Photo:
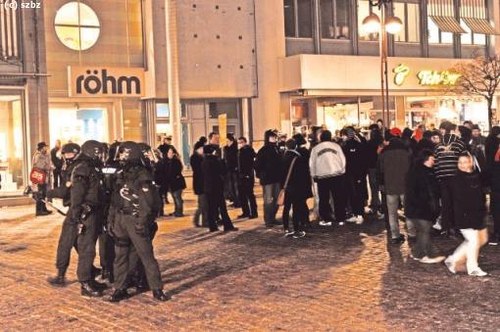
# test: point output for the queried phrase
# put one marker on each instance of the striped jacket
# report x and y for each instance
(447, 153)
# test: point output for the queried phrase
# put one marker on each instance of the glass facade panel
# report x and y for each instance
(289, 7)
(77, 26)
(436, 36)
(304, 14)
(412, 24)
(334, 19)
(12, 162)
(87, 16)
(78, 125)
(364, 11)
(89, 37)
(69, 36)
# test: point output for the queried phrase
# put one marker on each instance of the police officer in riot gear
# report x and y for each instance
(69, 231)
(87, 194)
(132, 210)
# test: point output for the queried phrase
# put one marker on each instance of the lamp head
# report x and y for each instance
(393, 25)
(371, 23)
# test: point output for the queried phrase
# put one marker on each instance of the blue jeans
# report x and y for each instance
(178, 202)
(271, 192)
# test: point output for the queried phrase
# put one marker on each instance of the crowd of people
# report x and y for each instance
(434, 180)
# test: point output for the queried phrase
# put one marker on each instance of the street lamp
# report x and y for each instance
(392, 25)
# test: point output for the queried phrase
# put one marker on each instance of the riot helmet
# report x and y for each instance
(94, 150)
(148, 153)
(70, 150)
(129, 151)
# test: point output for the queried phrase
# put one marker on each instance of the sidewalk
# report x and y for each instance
(341, 279)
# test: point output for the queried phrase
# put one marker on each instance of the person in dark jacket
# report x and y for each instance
(408, 140)
(297, 189)
(373, 148)
(202, 208)
(213, 187)
(246, 179)
(491, 145)
(306, 154)
(469, 209)
(393, 165)
(425, 143)
(175, 182)
(356, 170)
(494, 177)
(231, 180)
(422, 205)
(268, 167)
(57, 163)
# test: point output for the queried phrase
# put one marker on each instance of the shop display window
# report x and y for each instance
(78, 125)
(12, 161)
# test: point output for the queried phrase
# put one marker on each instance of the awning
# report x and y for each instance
(447, 24)
(480, 25)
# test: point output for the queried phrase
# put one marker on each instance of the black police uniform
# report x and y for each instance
(132, 210)
(87, 194)
(69, 231)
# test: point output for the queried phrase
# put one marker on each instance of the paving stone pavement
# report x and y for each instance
(341, 279)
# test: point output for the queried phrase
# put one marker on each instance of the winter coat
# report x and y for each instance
(327, 160)
(173, 175)
(57, 161)
(231, 157)
(469, 201)
(393, 165)
(299, 185)
(268, 164)
(356, 158)
(195, 161)
(422, 194)
(246, 162)
(42, 161)
(423, 144)
(372, 149)
(447, 153)
(159, 176)
(213, 175)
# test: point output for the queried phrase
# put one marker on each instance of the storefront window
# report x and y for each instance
(78, 125)
(230, 108)
(77, 26)
(470, 38)
(436, 36)
(334, 19)
(289, 7)
(12, 161)
(409, 13)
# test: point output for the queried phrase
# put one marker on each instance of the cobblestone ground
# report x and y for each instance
(346, 278)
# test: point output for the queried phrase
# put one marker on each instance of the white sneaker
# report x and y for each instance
(289, 233)
(298, 235)
(359, 220)
(437, 226)
(432, 260)
(450, 265)
(368, 210)
(325, 223)
(352, 219)
(478, 273)
(341, 223)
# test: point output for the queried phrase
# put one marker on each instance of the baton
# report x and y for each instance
(28, 191)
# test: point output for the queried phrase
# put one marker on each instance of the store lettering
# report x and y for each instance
(433, 77)
(93, 84)
(401, 72)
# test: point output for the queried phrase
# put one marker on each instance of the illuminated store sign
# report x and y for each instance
(426, 77)
(105, 81)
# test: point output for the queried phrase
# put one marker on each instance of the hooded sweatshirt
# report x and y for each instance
(327, 160)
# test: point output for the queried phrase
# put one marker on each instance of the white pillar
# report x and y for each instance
(245, 116)
(174, 102)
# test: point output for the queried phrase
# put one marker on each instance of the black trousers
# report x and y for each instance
(216, 207)
(247, 196)
(57, 177)
(447, 219)
(334, 186)
(86, 243)
(126, 237)
(495, 211)
(136, 268)
(67, 240)
(357, 192)
(300, 214)
(40, 195)
(201, 211)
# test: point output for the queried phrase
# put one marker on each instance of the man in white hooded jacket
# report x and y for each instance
(327, 164)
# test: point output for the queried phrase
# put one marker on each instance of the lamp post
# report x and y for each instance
(391, 24)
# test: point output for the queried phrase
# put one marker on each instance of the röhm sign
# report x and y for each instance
(92, 81)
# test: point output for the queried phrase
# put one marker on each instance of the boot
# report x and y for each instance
(58, 281)
(142, 285)
(88, 289)
(118, 295)
(98, 285)
(159, 295)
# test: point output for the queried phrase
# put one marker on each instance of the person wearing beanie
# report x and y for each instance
(355, 151)
(327, 165)
(447, 153)
(395, 132)
(297, 186)
(246, 179)
(268, 167)
(41, 162)
(200, 217)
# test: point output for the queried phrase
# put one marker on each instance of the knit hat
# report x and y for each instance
(198, 145)
(41, 145)
(395, 132)
(299, 138)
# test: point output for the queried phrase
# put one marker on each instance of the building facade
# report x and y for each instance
(23, 92)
